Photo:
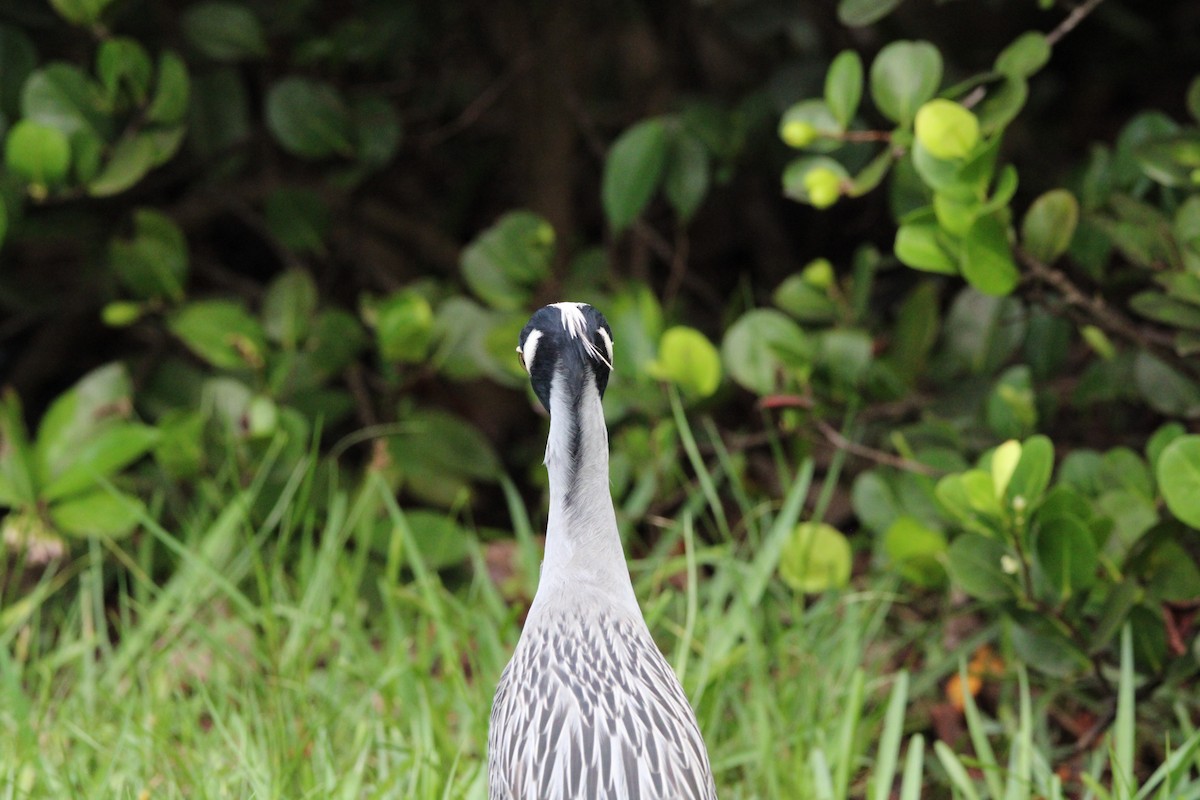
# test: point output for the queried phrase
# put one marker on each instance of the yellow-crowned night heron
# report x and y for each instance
(587, 707)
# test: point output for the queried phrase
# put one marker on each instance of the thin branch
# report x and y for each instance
(1071, 20)
(1068, 24)
(835, 438)
(477, 107)
(1104, 316)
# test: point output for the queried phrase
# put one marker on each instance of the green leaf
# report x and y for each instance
(1003, 463)
(1011, 407)
(1159, 440)
(181, 449)
(1002, 104)
(846, 353)
(946, 129)
(1171, 160)
(299, 219)
(1031, 476)
(689, 360)
(84, 13)
(1164, 388)
(289, 307)
(857, 13)
(687, 177)
(982, 331)
(632, 172)
(404, 327)
(37, 153)
(916, 550)
(99, 457)
(804, 301)
(309, 119)
(98, 400)
(508, 260)
(1041, 645)
(797, 178)
(224, 31)
(874, 501)
(918, 322)
(377, 130)
(1066, 554)
(100, 513)
(815, 558)
(763, 349)
(987, 261)
(134, 155)
(918, 245)
(438, 455)
(1028, 53)
(170, 103)
(1167, 310)
(221, 332)
(844, 87)
(810, 124)
(1132, 514)
(18, 464)
(971, 497)
(872, 174)
(904, 76)
(1049, 225)
(154, 262)
(336, 340)
(979, 566)
(62, 96)
(1178, 472)
(441, 541)
(122, 61)
(940, 174)
(18, 57)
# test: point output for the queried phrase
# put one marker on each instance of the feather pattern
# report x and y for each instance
(589, 708)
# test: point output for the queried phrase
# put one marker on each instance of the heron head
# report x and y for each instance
(571, 340)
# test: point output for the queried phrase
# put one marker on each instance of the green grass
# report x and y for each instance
(288, 660)
(291, 659)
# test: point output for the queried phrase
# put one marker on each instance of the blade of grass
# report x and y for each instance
(766, 560)
(955, 770)
(914, 768)
(888, 754)
(703, 474)
(1123, 727)
(851, 714)
(984, 755)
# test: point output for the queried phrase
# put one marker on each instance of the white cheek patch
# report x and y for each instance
(608, 346)
(530, 349)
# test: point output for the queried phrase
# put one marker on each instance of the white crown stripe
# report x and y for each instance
(575, 324)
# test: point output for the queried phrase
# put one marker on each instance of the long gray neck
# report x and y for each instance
(583, 547)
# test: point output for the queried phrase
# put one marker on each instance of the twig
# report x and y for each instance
(1068, 23)
(1104, 316)
(1071, 20)
(477, 107)
(679, 263)
(835, 438)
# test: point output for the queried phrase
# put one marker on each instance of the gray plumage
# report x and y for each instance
(588, 707)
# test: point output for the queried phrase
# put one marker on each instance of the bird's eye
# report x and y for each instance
(521, 358)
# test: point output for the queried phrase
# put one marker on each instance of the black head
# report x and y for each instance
(572, 339)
